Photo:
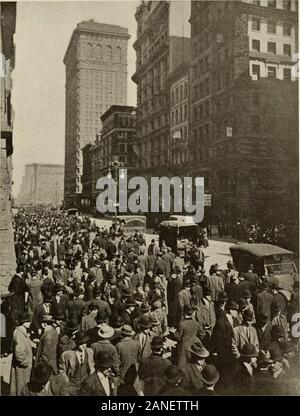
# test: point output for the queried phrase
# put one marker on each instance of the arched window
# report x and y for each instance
(99, 53)
(118, 54)
(109, 53)
(89, 51)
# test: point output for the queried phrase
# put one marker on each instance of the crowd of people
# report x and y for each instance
(95, 312)
(254, 233)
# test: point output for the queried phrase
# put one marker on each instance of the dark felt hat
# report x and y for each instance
(249, 351)
(210, 375)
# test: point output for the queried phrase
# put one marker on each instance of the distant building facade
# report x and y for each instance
(244, 108)
(42, 184)
(115, 144)
(162, 44)
(179, 120)
(7, 57)
(96, 78)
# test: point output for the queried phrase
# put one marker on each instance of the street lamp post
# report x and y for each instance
(113, 173)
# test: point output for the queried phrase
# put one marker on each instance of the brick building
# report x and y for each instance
(115, 144)
(7, 55)
(161, 46)
(96, 78)
(42, 184)
(244, 107)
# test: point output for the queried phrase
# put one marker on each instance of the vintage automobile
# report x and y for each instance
(72, 211)
(188, 219)
(276, 263)
(178, 235)
(131, 223)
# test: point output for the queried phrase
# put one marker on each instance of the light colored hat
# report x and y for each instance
(105, 331)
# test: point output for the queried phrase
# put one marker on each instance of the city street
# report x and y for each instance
(217, 252)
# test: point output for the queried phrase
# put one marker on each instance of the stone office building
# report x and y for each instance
(96, 78)
(161, 46)
(244, 108)
(116, 143)
(7, 57)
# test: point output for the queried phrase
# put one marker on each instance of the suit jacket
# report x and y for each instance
(98, 274)
(104, 345)
(221, 341)
(18, 288)
(68, 359)
(192, 379)
(127, 350)
(92, 386)
(61, 304)
(144, 348)
(206, 316)
(160, 267)
(74, 309)
(186, 335)
(264, 337)
(263, 302)
(184, 299)
(216, 285)
(38, 315)
(47, 349)
(240, 338)
(153, 366)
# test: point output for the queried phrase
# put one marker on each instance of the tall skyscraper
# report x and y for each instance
(96, 78)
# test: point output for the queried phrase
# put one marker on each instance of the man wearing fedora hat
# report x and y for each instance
(173, 377)
(22, 355)
(243, 378)
(46, 308)
(221, 340)
(206, 316)
(119, 305)
(193, 370)
(184, 296)
(244, 334)
(77, 364)
(127, 314)
(127, 349)
(264, 299)
(77, 305)
(186, 334)
(47, 347)
(143, 336)
(278, 318)
(154, 366)
(210, 377)
(105, 334)
(89, 321)
(101, 382)
(263, 329)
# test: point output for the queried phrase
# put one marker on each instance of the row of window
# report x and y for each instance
(180, 115)
(272, 47)
(272, 26)
(108, 53)
(272, 72)
(286, 4)
(179, 94)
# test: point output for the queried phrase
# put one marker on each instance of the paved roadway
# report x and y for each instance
(217, 252)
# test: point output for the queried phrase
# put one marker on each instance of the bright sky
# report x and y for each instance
(43, 31)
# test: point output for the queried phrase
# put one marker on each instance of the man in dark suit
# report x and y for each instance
(17, 288)
(192, 371)
(76, 306)
(153, 367)
(47, 347)
(127, 349)
(186, 335)
(222, 336)
(263, 329)
(101, 382)
(60, 300)
(46, 308)
(264, 300)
